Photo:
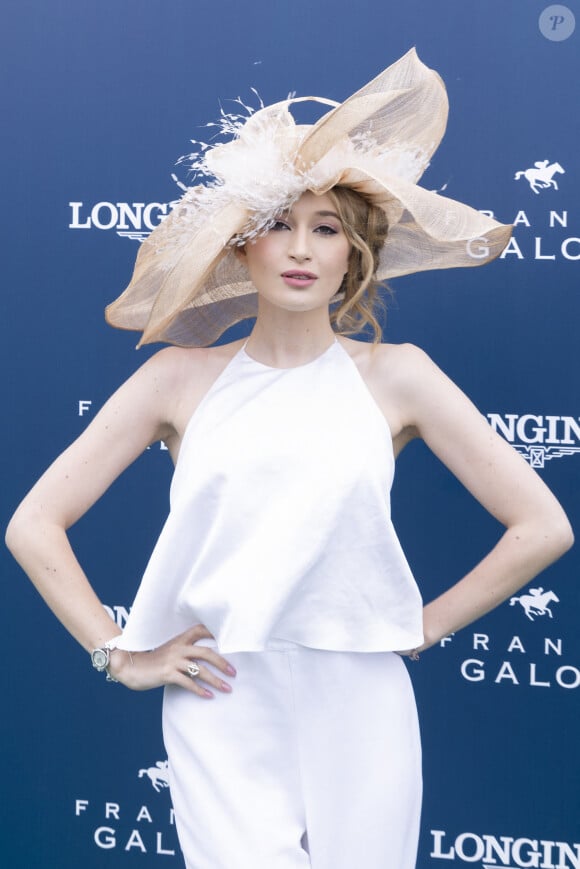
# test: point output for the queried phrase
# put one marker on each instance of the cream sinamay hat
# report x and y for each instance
(188, 286)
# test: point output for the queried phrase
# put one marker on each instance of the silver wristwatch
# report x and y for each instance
(101, 658)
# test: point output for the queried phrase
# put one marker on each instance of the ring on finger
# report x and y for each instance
(193, 669)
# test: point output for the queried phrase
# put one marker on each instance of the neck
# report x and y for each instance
(284, 339)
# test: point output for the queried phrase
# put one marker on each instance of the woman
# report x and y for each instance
(278, 589)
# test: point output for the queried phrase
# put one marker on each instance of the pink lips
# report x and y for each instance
(298, 278)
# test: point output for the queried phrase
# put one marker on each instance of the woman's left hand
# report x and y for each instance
(413, 654)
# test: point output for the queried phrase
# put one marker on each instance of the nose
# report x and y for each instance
(299, 246)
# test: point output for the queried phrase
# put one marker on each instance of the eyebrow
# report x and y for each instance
(316, 214)
(327, 214)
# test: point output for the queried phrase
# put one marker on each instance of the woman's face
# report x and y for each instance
(299, 264)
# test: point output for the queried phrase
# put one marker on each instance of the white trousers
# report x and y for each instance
(313, 760)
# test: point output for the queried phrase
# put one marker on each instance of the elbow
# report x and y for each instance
(14, 536)
(559, 535)
(567, 536)
(31, 531)
(22, 531)
(547, 537)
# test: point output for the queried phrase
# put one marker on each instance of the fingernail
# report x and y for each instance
(225, 687)
(207, 693)
(230, 670)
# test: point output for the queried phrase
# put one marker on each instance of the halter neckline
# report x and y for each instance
(247, 357)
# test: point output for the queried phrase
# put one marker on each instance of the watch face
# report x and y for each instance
(100, 658)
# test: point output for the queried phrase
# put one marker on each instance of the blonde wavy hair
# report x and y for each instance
(366, 228)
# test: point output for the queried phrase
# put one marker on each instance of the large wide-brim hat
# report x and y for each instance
(188, 285)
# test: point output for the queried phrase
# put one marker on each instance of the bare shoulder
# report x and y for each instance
(174, 362)
(182, 376)
(419, 400)
(392, 362)
(175, 368)
(155, 403)
(394, 374)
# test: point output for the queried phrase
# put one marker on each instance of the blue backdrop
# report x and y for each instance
(99, 100)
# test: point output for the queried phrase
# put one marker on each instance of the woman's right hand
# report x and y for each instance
(167, 665)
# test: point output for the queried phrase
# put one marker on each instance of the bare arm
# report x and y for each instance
(138, 414)
(537, 530)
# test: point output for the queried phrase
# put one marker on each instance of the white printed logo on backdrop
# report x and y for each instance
(538, 438)
(536, 603)
(547, 237)
(504, 852)
(158, 775)
(132, 220)
(541, 175)
(146, 826)
(534, 655)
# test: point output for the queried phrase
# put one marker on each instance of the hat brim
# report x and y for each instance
(188, 285)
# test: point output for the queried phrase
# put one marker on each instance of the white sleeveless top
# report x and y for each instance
(280, 523)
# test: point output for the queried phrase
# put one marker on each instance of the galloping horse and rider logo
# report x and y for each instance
(541, 175)
(158, 775)
(536, 603)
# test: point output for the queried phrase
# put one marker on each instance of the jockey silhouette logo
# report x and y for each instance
(536, 603)
(158, 775)
(541, 175)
